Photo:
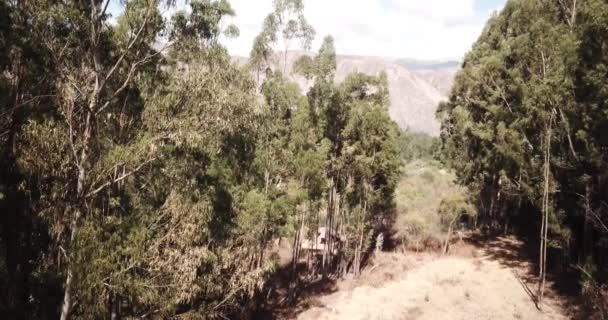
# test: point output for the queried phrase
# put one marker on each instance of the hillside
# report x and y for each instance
(416, 87)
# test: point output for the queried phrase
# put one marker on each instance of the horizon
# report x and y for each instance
(406, 60)
(401, 59)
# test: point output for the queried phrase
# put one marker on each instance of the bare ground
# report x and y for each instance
(488, 279)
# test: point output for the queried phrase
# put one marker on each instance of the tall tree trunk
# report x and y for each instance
(360, 244)
(67, 296)
(328, 226)
(497, 214)
(262, 248)
(332, 228)
(114, 306)
(587, 229)
(295, 257)
(80, 196)
(504, 216)
(447, 237)
(493, 194)
(316, 234)
(545, 216)
(294, 261)
(358, 252)
(337, 240)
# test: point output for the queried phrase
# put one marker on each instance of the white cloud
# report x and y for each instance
(427, 29)
(440, 9)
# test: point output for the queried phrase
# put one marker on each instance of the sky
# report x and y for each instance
(417, 29)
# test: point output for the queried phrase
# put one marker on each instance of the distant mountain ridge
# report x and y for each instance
(416, 87)
(412, 64)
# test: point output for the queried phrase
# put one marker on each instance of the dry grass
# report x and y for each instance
(383, 268)
(426, 286)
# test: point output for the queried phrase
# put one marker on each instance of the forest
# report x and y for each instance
(146, 174)
(147, 181)
(526, 130)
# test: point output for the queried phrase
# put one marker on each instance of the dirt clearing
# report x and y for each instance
(474, 283)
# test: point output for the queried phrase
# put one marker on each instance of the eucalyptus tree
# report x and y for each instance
(519, 125)
(287, 21)
(202, 25)
(95, 105)
(352, 120)
(369, 161)
(26, 78)
(100, 146)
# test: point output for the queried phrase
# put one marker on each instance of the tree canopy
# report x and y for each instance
(144, 174)
(525, 127)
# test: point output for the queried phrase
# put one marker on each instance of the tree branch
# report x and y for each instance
(103, 12)
(124, 54)
(568, 133)
(130, 76)
(502, 95)
(122, 177)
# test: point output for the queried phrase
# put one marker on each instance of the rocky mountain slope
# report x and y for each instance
(416, 87)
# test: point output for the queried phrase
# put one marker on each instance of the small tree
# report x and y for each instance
(452, 209)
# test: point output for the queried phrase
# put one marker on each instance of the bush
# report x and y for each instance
(426, 196)
(414, 145)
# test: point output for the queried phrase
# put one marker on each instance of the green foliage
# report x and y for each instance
(414, 145)
(322, 66)
(529, 98)
(202, 25)
(146, 183)
(455, 206)
(288, 20)
(425, 195)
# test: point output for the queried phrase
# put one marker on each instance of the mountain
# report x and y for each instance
(439, 74)
(416, 87)
(413, 64)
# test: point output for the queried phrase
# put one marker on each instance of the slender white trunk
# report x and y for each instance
(80, 197)
(545, 218)
(67, 296)
(447, 237)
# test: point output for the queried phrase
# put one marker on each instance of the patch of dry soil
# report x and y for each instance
(478, 286)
